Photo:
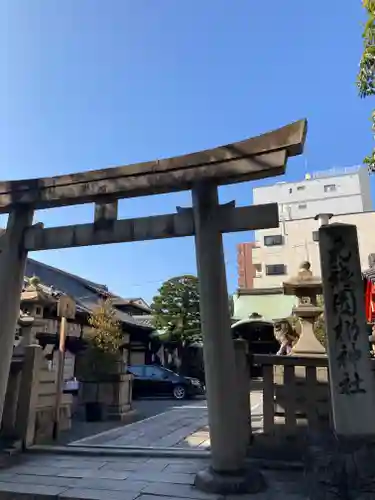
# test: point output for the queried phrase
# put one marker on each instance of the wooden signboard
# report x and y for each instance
(66, 307)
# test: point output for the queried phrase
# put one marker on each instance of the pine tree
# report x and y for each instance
(176, 309)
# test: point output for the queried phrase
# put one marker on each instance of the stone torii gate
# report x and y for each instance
(201, 172)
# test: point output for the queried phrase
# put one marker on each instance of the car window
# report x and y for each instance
(153, 371)
(137, 371)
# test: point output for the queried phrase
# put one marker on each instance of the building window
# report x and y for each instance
(290, 190)
(329, 188)
(315, 236)
(300, 188)
(273, 240)
(258, 270)
(302, 206)
(275, 269)
(38, 311)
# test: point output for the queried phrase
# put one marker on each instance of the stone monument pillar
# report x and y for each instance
(342, 464)
(352, 381)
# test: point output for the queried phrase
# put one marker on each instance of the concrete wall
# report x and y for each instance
(298, 245)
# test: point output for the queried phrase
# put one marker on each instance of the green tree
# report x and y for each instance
(366, 73)
(104, 342)
(175, 309)
(106, 333)
(231, 305)
(320, 325)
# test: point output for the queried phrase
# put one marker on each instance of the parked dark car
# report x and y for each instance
(152, 380)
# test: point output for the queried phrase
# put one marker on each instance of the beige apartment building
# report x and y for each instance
(277, 253)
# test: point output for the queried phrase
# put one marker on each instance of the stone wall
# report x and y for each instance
(29, 410)
(115, 396)
(45, 411)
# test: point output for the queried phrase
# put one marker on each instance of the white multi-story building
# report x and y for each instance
(343, 193)
(336, 191)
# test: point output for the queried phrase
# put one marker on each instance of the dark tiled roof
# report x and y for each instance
(120, 302)
(85, 292)
(145, 319)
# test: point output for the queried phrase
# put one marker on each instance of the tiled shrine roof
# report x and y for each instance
(55, 282)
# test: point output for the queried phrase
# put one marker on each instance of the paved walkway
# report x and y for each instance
(73, 477)
(180, 426)
(165, 430)
(144, 408)
(112, 474)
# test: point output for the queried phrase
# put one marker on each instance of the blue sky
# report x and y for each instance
(90, 84)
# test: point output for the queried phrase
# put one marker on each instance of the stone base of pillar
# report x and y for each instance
(341, 467)
(249, 480)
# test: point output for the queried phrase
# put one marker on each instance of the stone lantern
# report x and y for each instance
(306, 288)
(26, 323)
(33, 303)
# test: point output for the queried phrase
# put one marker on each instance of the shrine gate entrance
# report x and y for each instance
(202, 173)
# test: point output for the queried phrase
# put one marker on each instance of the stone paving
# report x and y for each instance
(181, 426)
(169, 429)
(124, 478)
(114, 475)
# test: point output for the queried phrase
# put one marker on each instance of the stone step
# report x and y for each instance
(118, 450)
(272, 463)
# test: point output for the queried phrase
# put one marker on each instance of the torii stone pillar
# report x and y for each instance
(12, 268)
(227, 473)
